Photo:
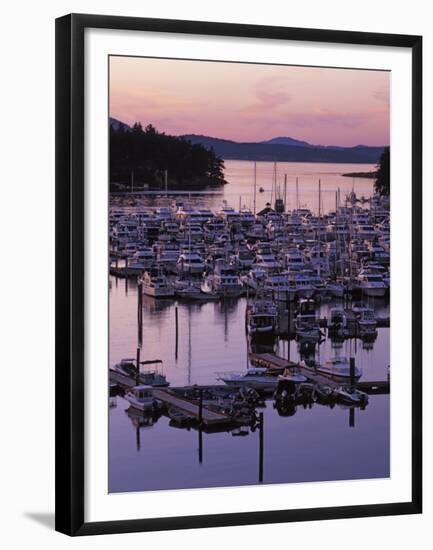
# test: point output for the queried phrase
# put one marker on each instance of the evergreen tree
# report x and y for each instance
(382, 183)
(149, 153)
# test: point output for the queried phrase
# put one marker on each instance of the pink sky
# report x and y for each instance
(246, 102)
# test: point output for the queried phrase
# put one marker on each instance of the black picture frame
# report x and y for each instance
(70, 282)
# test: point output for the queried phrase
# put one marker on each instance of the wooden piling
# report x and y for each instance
(261, 441)
(176, 322)
(352, 417)
(137, 437)
(137, 373)
(140, 312)
(352, 371)
(200, 445)
(200, 407)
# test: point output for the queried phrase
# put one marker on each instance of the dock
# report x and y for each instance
(272, 361)
(209, 417)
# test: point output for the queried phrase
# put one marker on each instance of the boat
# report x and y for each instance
(127, 370)
(155, 284)
(371, 284)
(267, 261)
(140, 260)
(306, 324)
(338, 322)
(190, 262)
(347, 395)
(304, 284)
(365, 317)
(224, 280)
(338, 368)
(257, 378)
(261, 318)
(141, 398)
(292, 375)
(294, 260)
(180, 418)
(254, 279)
(280, 286)
(191, 290)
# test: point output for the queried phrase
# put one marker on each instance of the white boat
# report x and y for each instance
(191, 291)
(294, 260)
(339, 368)
(141, 259)
(155, 283)
(228, 214)
(304, 285)
(350, 396)
(224, 280)
(257, 378)
(141, 398)
(262, 317)
(190, 262)
(254, 279)
(267, 261)
(243, 259)
(127, 370)
(371, 284)
(367, 320)
(306, 323)
(280, 286)
(291, 375)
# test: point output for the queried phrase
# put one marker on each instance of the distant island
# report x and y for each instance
(284, 149)
(146, 158)
(370, 175)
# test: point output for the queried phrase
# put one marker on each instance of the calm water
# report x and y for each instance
(315, 444)
(240, 189)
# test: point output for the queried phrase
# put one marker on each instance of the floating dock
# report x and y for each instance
(272, 362)
(209, 417)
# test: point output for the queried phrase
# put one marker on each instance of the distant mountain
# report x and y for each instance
(287, 141)
(118, 124)
(299, 143)
(287, 152)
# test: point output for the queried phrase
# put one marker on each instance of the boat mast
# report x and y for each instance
(297, 194)
(255, 186)
(320, 212)
(285, 192)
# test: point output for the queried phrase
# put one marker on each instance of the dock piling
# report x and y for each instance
(137, 373)
(261, 441)
(176, 322)
(200, 445)
(352, 417)
(352, 371)
(200, 407)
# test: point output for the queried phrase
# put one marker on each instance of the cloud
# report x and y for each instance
(268, 98)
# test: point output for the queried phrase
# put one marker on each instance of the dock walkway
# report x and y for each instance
(272, 362)
(209, 417)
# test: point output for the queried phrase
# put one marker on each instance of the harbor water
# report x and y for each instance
(313, 442)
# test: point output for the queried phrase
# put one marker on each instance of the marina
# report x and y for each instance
(271, 316)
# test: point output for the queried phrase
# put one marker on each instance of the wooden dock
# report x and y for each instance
(275, 362)
(208, 416)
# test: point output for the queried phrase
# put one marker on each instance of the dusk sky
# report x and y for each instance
(246, 102)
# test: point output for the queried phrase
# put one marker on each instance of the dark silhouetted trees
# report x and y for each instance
(144, 155)
(382, 183)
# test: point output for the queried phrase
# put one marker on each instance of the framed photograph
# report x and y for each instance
(238, 274)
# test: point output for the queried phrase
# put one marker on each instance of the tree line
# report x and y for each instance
(382, 183)
(142, 156)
